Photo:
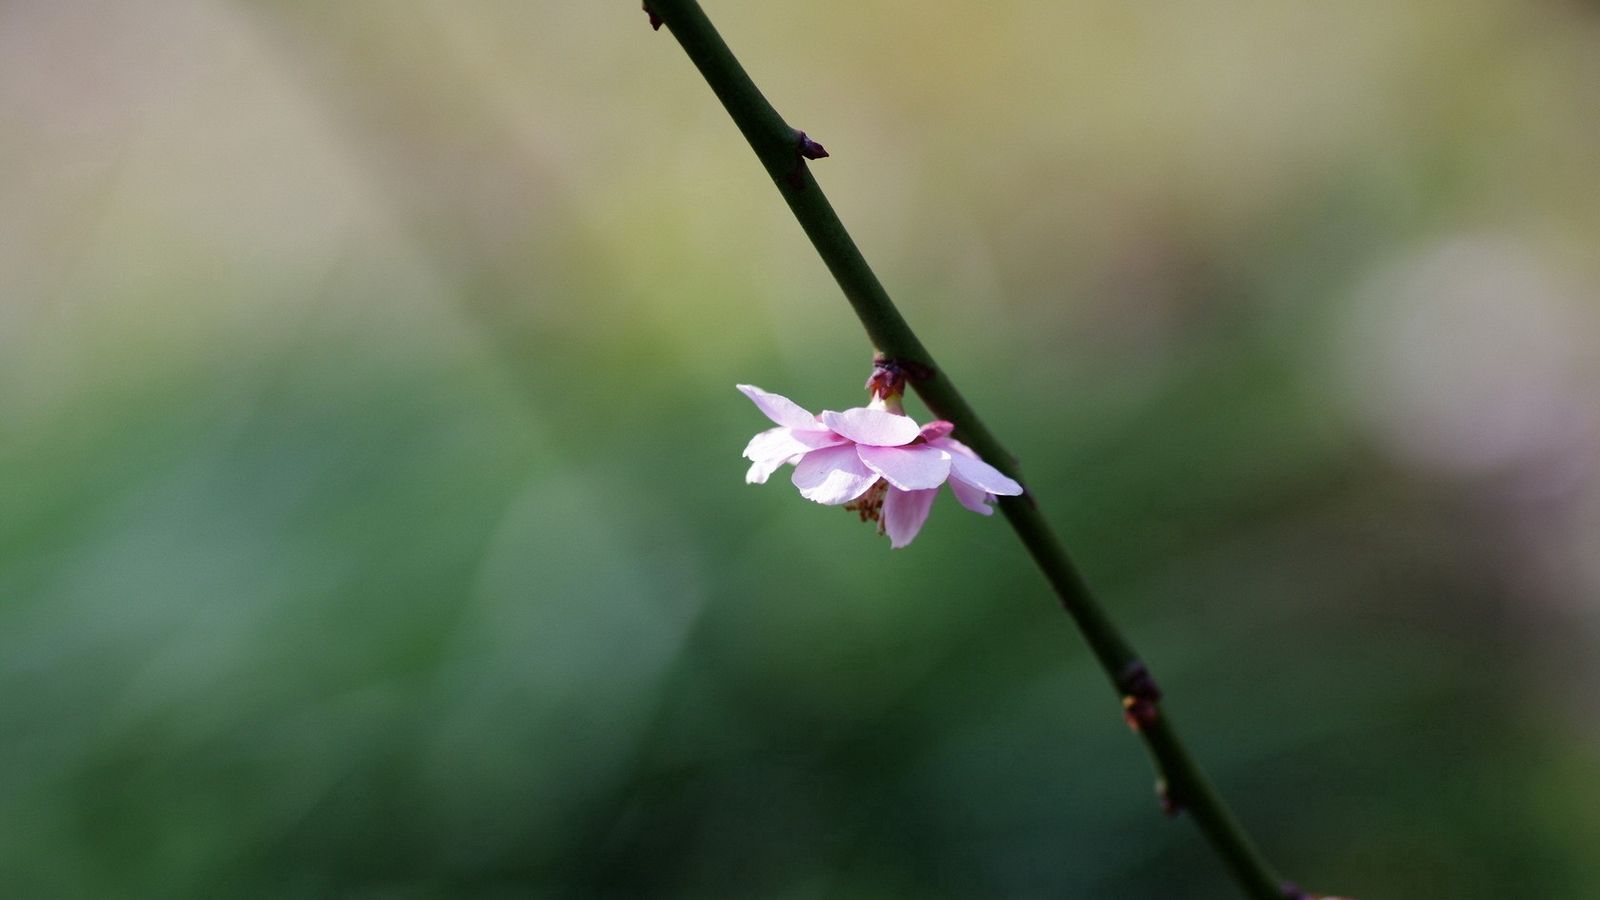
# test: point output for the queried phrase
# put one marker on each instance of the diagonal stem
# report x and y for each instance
(781, 150)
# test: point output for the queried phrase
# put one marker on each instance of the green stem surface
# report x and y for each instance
(777, 145)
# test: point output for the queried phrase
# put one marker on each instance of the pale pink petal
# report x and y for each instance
(936, 429)
(774, 443)
(833, 475)
(903, 514)
(780, 409)
(973, 498)
(781, 443)
(872, 426)
(915, 468)
(762, 468)
(951, 444)
(980, 474)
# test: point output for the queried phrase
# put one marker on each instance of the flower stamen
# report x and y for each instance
(870, 505)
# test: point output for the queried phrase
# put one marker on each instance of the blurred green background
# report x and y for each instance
(371, 512)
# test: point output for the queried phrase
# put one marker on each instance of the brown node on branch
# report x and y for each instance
(804, 148)
(1170, 804)
(1141, 696)
(903, 369)
(1136, 681)
(1139, 714)
(655, 20)
(810, 149)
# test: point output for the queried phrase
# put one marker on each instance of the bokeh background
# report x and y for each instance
(371, 513)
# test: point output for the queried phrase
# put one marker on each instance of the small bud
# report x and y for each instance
(1139, 713)
(1135, 680)
(1140, 696)
(810, 149)
(655, 20)
(1170, 807)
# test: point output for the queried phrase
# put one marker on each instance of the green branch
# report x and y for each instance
(783, 151)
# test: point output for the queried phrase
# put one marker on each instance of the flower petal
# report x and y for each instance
(953, 445)
(936, 429)
(903, 514)
(872, 426)
(966, 466)
(833, 475)
(781, 443)
(915, 468)
(780, 409)
(762, 468)
(973, 498)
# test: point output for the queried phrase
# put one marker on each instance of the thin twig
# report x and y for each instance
(783, 151)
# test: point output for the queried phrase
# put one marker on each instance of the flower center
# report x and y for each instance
(870, 505)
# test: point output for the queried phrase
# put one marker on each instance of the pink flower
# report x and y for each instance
(873, 461)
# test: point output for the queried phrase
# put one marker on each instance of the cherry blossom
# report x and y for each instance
(873, 461)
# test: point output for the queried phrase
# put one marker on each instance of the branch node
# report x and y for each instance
(1141, 696)
(1171, 805)
(808, 148)
(655, 20)
(1139, 714)
(1135, 680)
(890, 374)
(804, 148)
